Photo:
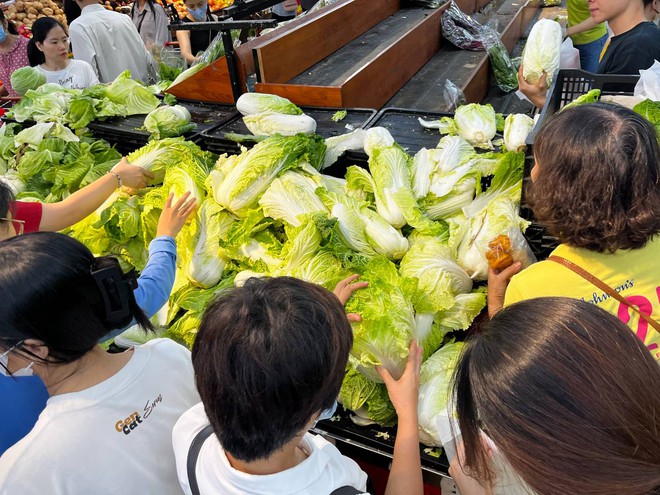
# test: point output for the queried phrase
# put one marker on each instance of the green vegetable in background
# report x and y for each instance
(339, 115)
(591, 97)
(651, 111)
(27, 78)
(168, 121)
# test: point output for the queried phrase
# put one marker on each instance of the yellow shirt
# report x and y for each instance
(635, 274)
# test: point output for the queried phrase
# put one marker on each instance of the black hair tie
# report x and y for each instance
(115, 289)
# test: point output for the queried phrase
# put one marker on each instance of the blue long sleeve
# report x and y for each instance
(156, 281)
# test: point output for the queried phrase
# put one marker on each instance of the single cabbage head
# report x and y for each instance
(26, 78)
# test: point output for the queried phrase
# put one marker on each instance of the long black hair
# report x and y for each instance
(52, 289)
(40, 30)
(568, 394)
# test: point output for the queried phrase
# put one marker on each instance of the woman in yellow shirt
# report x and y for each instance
(596, 187)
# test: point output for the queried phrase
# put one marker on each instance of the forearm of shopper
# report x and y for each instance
(406, 472)
(183, 37)
(585, 25)
(58, 216)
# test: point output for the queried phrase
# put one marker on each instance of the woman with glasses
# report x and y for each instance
(106, 428)
(26, 396)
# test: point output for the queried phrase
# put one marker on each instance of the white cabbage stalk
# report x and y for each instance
(435, 386)
(290, 196)
(337, 145)
(477, 124)
(516, 129)
(376, 138)
(423, 165)
(253, 103)
(451, 152)
(269, 123)
(542, 51)
(206, 265)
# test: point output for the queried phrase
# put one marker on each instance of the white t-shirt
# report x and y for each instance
(325, 470)
(112, 438)
(110, 43)
(78, 75)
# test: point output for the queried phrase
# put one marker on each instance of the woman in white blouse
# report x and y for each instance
(150, 20)
(48, 51)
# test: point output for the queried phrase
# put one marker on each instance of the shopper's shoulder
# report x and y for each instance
(167, 347)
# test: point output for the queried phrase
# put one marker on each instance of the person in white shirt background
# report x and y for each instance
(107, 426)
(110, 43)
(48, 51)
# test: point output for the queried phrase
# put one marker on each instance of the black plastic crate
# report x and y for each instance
(406, 130)
(378, 439)
(214, 139)
(572, 83)
(127, 135)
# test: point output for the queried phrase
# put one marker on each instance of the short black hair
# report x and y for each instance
(48, 293)
(267, 358)
(598, 186)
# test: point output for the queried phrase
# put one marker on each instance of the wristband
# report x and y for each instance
(118, 178)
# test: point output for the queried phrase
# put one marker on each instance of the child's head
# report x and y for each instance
(268, 358)
(597, 178)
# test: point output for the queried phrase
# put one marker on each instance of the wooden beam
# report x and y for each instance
(311, 96)
(287, 55)
(372, 85)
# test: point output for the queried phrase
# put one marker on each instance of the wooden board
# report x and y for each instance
(370, 69)
(210, 84)
(467, 6)
(297, 49)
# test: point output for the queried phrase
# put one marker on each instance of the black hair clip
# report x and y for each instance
(114, 290)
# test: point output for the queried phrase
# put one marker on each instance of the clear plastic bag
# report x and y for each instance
(453, 95)
(461, 30)
(506, 74)
(506, 249)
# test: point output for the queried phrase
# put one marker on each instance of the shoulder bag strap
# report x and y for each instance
(602, 286)
(193, 454)
(347, 490)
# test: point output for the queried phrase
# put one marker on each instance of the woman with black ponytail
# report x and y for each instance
(107, 426)
(151, 22)
(48, 51)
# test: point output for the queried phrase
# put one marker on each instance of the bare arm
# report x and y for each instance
(585, 25)
(183, 37)
(406, 472)
(58, 216)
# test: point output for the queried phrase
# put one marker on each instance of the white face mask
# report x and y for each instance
(4, 362)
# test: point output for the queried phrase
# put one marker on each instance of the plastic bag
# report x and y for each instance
(506, 75)
(461, 30)
(506, 249)
(453, 95)
(569, 56)
(648, 86)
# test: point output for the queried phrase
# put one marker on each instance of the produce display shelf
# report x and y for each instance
(127, 135)
(215, 140)
(567, 86)
(406, 130)
(377, 440)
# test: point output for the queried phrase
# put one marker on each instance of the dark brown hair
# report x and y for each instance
(599, 182)
(569, 396)
(268, 356)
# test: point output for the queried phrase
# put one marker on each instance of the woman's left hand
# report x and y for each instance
(497, 284)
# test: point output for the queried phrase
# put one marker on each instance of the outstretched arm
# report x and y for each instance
(82, 203)
(406, 472)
